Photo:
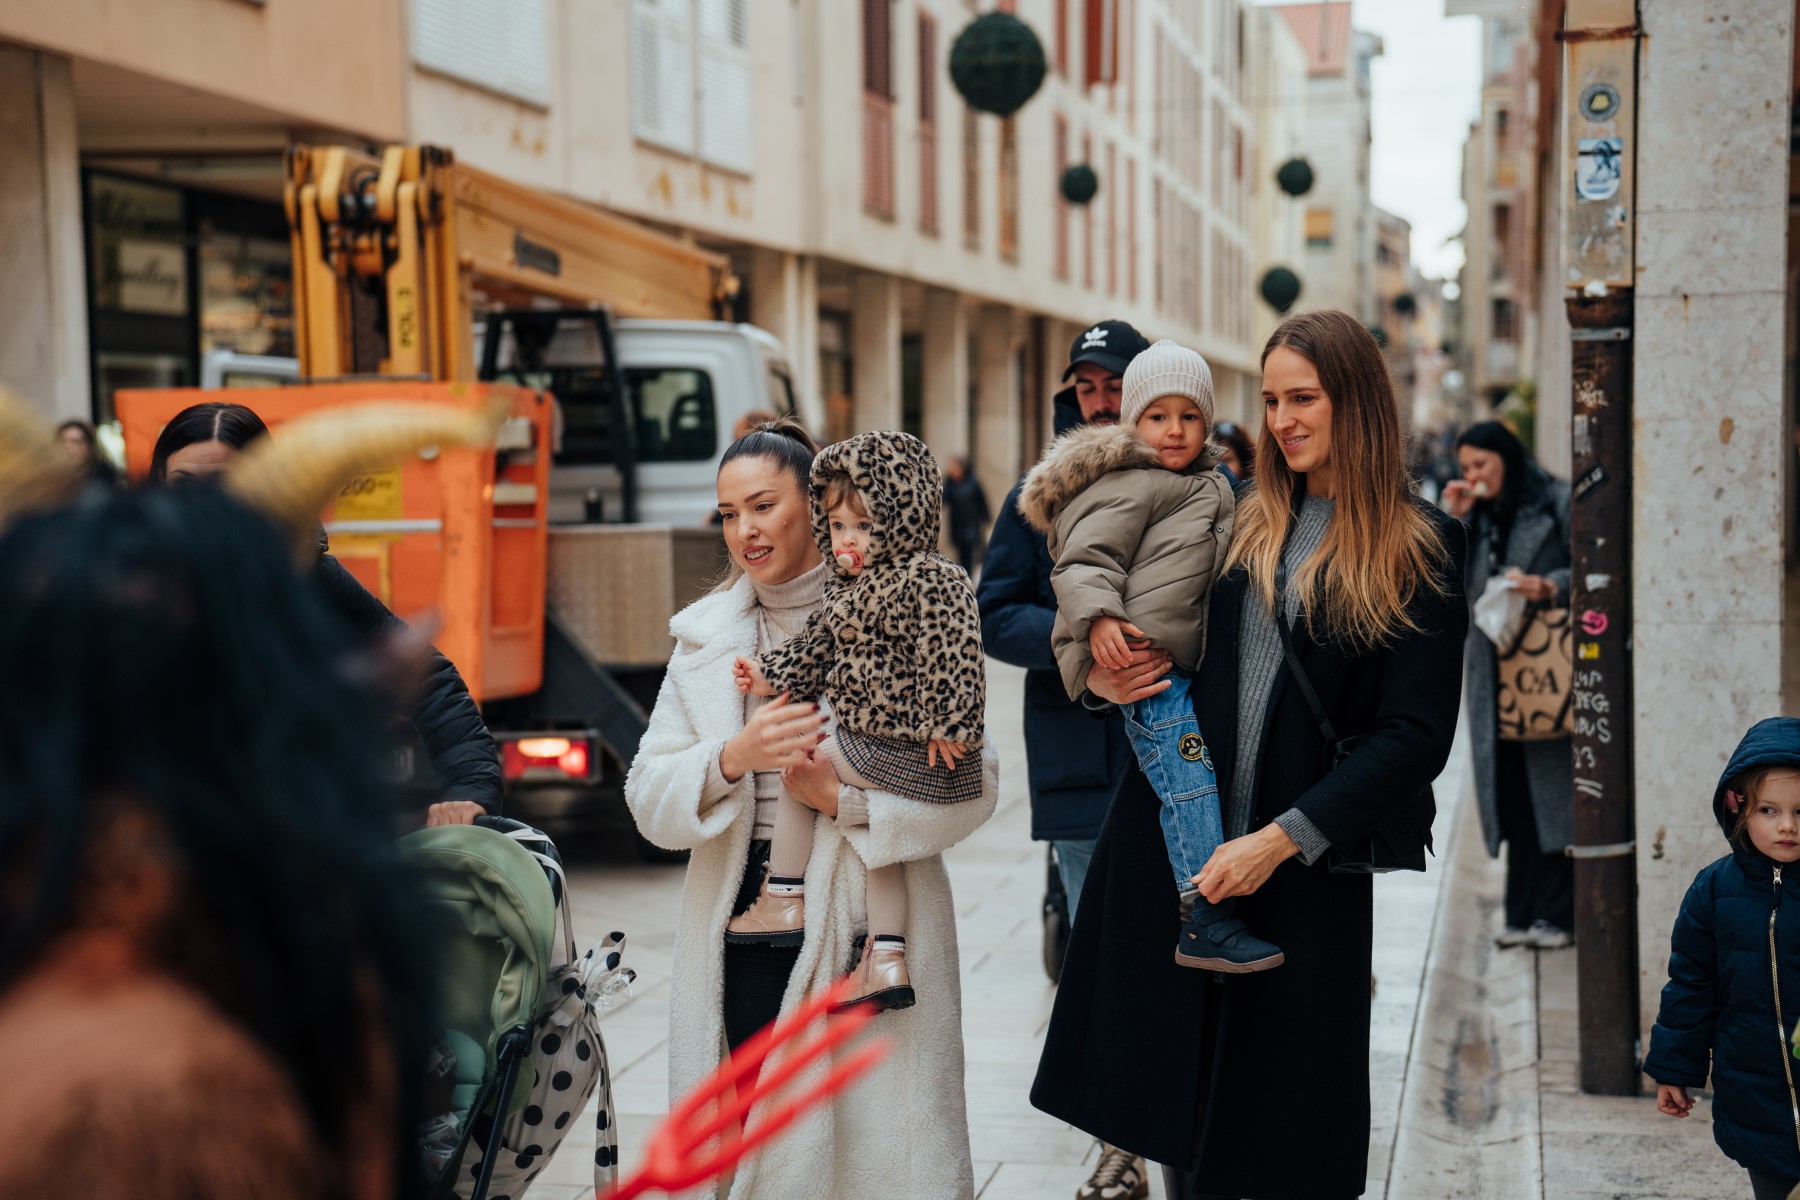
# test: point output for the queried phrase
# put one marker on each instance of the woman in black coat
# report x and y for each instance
(1257, 1085)
(1518, 519)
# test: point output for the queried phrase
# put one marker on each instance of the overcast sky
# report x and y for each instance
(1427, 90)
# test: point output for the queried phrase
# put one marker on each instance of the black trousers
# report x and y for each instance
(1539, 886)
(756, 975)
(1769, 1187)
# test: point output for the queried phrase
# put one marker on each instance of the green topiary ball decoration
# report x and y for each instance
(1080, 184)
(1295, 177)
(1380, 336)
(1280, 287)
(997, 63)
(1405, 304)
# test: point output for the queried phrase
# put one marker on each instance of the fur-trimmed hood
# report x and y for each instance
(1079, 458)
(899, 481)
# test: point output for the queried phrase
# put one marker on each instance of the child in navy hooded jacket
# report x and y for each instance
(1733, 996)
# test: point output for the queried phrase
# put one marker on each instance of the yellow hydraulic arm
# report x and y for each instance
(395, 257)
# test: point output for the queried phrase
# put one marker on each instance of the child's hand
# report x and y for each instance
(1673, 1100)
(1106, 641)
(950, 752)
(750, 678)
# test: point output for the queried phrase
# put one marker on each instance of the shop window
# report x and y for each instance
(501, 47)
(1505, 320)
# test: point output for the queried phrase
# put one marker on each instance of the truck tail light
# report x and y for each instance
(545, 757)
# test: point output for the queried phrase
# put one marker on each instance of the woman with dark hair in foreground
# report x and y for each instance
(202, 442)
(205, 986)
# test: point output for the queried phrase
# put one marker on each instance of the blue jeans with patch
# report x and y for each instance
(1165, 735)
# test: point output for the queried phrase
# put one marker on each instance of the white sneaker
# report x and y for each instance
(1119, 1175)
(1544, 936)
(1512, 935)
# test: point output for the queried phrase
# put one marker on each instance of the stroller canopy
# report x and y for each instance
(494, 927)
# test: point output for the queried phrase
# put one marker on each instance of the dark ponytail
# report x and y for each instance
(232, 424)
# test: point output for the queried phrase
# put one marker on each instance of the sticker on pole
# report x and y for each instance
(372, 496)
(1598, 162)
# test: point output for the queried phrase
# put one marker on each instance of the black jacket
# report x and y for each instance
(1072, 761)
(1262, 1078)
(966, 506)
(443, 713)
(1721, 1013)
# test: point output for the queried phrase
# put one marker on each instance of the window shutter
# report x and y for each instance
(1100, 42)
(878, 109)
(726, 138)
(498, 44)
(662, 74)
(878, 49)
(1009, 188)
(971, 179)
(1061, 262)
(928, 152)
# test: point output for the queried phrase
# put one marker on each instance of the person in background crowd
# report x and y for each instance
(1218, 1081)
(967, 507)
(78, 439)
(1727, 955)
(1237, 451)
(1072, 761)
(1518, 518)
(201, 442)
(709, 777)
(206, 986)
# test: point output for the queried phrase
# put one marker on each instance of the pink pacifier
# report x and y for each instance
(850, 559)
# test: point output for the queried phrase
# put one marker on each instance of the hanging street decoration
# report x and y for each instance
(1280, 287)
(1405, 304)
(1295, 177)
(1080, 184)
(997, 63)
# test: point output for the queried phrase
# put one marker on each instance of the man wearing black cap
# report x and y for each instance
(1072, 760)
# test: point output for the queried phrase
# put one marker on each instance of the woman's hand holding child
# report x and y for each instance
(779, 734)
(1107, 642)
(750, 678)
(1672, 1100)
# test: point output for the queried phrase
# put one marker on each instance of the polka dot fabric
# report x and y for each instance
(568, 1058)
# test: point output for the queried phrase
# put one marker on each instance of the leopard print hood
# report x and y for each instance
(899, 481)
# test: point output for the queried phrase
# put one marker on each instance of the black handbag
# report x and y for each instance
(1399, 845)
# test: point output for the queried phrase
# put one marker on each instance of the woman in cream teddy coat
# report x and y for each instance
(903, 1129)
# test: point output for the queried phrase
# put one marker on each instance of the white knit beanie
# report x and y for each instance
(1166, 369)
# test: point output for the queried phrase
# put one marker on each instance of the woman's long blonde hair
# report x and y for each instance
(1381, 548)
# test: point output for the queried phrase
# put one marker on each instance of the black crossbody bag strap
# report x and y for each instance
(1293, 662)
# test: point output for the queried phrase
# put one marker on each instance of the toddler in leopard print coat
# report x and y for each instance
(895, 649)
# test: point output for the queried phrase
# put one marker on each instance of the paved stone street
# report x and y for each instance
(1473, 1091)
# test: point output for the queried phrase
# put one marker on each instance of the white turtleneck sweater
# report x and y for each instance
(781, 612)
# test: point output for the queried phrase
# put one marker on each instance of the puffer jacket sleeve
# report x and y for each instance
(666, 788)
(1097, 533)
(1681, 1041)
(799, 665)
(949, 665)
(899, 829)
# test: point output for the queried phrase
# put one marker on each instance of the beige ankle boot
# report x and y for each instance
(881, 978)
(774, 919)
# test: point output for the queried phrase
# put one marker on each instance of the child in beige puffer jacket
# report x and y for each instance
(1138, 522)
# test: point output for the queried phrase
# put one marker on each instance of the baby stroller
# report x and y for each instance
(521, 1052)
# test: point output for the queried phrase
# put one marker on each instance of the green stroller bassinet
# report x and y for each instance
(523, 1033)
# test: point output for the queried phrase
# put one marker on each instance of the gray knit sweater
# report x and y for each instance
(1260, 662)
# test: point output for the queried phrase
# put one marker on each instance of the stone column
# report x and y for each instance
(875, 351)
(945, 350)
(997, 431)
(1054, 360)
(43, 305)
(784, 301)
(1712, 451)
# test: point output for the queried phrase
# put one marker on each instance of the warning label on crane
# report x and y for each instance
(372, 496)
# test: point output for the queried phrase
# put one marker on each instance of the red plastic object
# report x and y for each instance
(678, 1157)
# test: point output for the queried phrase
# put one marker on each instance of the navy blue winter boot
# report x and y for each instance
(1213, 939)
